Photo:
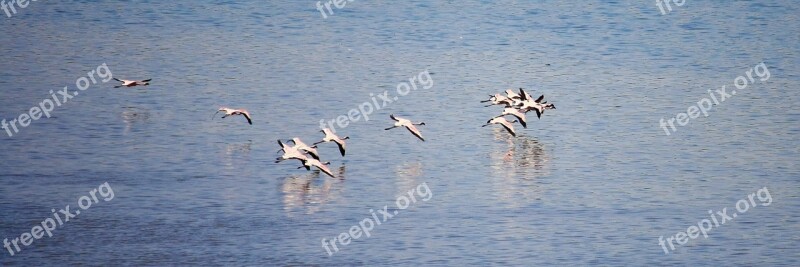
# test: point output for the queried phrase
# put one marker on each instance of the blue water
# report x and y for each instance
(594, 182)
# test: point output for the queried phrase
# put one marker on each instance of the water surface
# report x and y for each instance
(594, 182)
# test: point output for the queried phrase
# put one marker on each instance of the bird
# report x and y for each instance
(299, 145)
(308, 163)
(231, 112)
(511, 94)
(290, 152)
(130, 83)
(332, 137)
(516, 113)
(498, 99)
(529, 105)
(408, 124)
(524, 95)
(502, 121)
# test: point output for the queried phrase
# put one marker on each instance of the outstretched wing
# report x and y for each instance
(509, 128)
(413, 129)
(247, 116)
(341, 146)
(325, 169)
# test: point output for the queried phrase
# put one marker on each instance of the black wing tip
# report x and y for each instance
(510, 131)
(341, 149)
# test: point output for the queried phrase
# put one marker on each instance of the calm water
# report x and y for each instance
(594, 182)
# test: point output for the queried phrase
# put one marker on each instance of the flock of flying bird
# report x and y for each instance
(515, 104)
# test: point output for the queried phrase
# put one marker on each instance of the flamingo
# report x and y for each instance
(299, 145)
(290, 152)
(502, 121)
(408, 124)
(232, 112)
(308, 163)
(498, 99)
(130, 83)
(332, 137)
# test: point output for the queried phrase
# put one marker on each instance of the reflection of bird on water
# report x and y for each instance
(532, 154)
(516, 165)
(132, 116)
(407, 174)
(341, 172)
(309, 193)
(237, 153)
(523, 151)
(242, 148)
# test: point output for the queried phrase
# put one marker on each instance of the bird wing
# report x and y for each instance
(312, 152)
(392, 116)
(516, 113)
(520, 118)
(413, 129)
(341, 145)
(118, 80)
(511, 94)
(522, 94)
(324, 169)
(283, 147)
(247, 116)
(327, 133)
(148, 80)
(539, 99)
(509, 128)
